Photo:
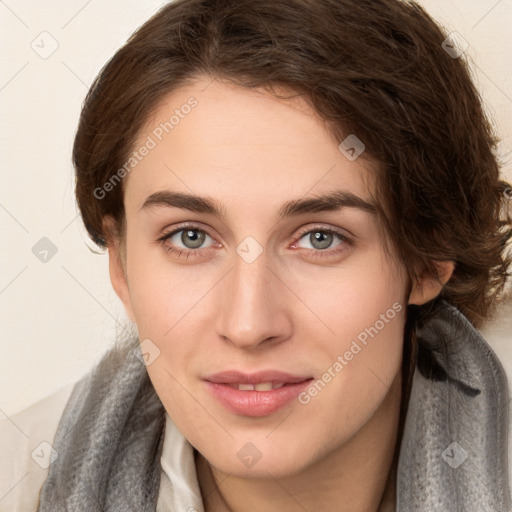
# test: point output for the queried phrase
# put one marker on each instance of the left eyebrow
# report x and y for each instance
(328, 202)
(333, 201)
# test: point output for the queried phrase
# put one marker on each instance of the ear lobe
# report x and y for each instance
(429, 286)
(116, 266)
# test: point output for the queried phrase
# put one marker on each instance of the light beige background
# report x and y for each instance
(59, 317)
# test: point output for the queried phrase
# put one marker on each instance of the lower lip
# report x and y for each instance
(255, 403)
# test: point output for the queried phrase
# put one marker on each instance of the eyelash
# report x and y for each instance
(317, 253)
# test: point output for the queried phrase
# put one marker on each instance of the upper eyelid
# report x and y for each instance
(336, 231)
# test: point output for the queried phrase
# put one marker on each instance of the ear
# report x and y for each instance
(117, 265)
(429, 286)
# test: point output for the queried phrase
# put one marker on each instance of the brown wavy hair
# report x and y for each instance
(374, 68)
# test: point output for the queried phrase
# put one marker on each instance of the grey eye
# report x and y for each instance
(321, 239)
(192, 238)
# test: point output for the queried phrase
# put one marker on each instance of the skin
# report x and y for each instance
(286, 310)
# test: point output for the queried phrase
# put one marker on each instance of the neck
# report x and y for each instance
(359, 476)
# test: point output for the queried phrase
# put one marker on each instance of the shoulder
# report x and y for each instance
(26, 451)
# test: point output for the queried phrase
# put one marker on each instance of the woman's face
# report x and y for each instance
(252, 269)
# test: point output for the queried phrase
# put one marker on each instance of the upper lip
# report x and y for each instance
(273, 376)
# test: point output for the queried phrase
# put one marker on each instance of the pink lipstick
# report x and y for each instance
(256, 394)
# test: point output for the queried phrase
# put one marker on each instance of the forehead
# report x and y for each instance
(224, 137)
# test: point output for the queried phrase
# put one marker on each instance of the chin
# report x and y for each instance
(254, 459)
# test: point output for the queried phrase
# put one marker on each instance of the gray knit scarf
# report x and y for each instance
(453, 454)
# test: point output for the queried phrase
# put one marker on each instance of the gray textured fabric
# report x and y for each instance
(454, 450)
(110, 436)
(109, 441)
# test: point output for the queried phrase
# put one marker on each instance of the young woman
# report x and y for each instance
(305, 221)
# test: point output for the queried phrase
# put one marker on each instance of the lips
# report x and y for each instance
(257, 394)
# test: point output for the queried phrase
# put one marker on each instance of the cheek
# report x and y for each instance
(367, 293)
(170, 306)
(363, 313)
(159, 295)
(361, 367)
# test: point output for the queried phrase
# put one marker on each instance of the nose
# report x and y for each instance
(253, 305)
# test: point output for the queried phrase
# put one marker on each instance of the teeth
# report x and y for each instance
(264, 386)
